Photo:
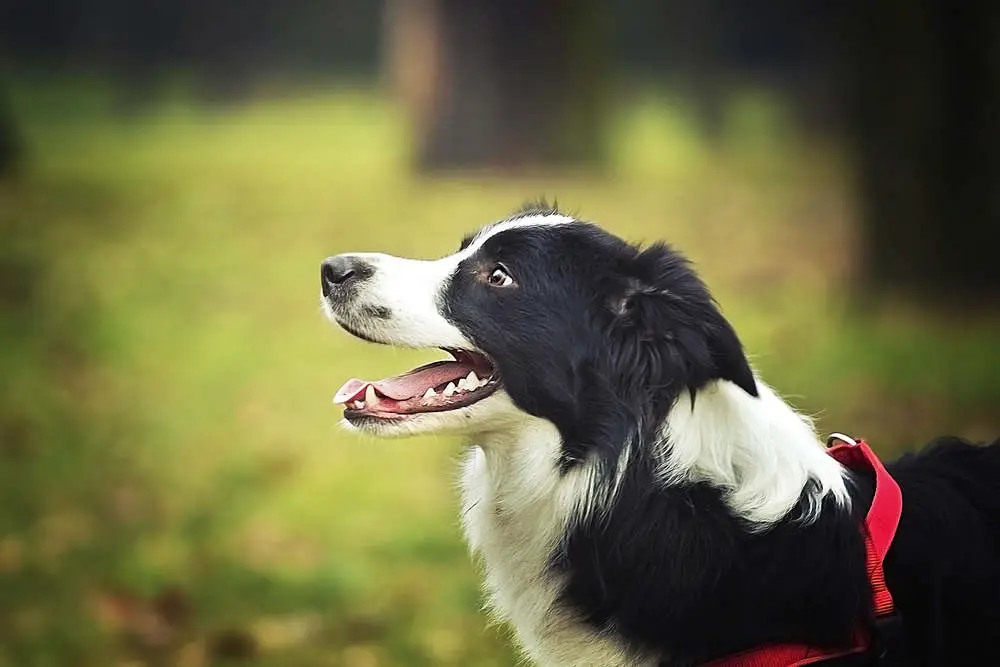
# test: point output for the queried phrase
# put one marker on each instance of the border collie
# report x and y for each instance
(636, 494)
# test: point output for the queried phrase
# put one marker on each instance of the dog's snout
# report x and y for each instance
(342, 270)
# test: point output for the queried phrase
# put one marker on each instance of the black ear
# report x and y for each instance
(666, 303)
(728, 357)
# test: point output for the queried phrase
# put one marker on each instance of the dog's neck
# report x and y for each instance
(514, 473)
(758, 450)
(516, 509)
(518, 505)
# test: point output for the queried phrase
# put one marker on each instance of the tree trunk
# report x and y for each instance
(504, 85)
(10, 139)
(925, 115)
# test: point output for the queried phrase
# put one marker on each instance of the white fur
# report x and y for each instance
(517, 223)
(410, 288)
(759, 450)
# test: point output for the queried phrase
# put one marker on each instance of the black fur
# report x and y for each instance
(602, 338)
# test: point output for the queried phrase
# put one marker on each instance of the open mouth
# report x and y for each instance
(437, 387)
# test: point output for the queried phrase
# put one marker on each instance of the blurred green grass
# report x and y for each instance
(174, 486)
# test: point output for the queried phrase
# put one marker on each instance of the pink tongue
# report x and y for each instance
(407, 385)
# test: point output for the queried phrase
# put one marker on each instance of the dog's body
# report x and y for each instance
(636, 494)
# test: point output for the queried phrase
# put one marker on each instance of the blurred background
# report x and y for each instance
(173, 486)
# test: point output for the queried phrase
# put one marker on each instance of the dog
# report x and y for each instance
(635, 493)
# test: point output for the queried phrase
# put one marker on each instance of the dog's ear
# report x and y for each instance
(728, 357)
(649, 279)
(663, 300)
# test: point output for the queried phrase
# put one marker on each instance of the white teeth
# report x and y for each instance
(449, 390)
(430, 393)
(359, 405)
(469, 382)
(370, 397)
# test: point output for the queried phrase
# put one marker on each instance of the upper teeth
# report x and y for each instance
(471, 382)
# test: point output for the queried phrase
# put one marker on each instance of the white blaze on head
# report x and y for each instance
(540, 220)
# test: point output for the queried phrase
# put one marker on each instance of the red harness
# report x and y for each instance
(880, 527)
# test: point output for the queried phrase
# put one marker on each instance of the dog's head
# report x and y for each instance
(543, 315)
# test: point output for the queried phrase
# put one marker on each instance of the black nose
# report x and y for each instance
(341, 270)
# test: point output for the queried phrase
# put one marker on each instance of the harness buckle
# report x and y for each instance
(889, 642)
(833, 438)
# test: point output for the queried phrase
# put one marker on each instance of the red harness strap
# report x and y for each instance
(879, 529)
(882, 519)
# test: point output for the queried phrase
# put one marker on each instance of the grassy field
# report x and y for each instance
(173, 486)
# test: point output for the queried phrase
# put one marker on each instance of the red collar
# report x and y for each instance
(880, 527)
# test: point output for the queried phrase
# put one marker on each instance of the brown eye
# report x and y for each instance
(500, 278)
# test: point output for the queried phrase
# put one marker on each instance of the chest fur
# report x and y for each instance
(513, 523)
